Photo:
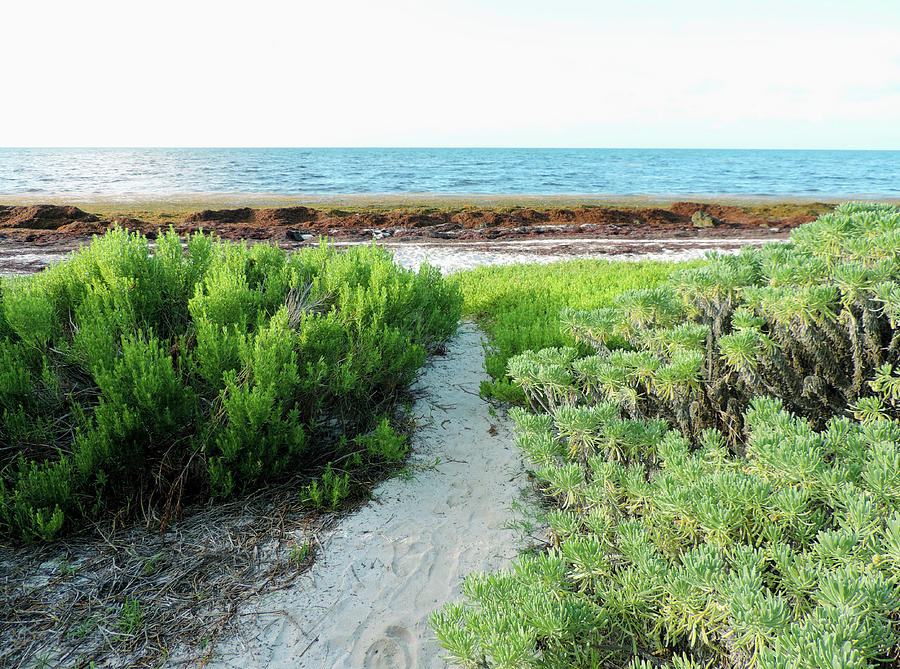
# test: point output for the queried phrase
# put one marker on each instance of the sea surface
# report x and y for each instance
(112, 172)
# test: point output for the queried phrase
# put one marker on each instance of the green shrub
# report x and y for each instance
(135, 379)
(384, 443)
(717, 335)
(712, 504)
(790, 551)
(518, 305)
(333, 490)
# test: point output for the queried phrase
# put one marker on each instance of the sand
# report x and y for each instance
(453, 256)
(384, 569)
(457, 256)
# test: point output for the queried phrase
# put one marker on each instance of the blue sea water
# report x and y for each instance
(158, 171)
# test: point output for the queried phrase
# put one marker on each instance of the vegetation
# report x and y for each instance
(722, 473)
(131, 380)
(518, 305)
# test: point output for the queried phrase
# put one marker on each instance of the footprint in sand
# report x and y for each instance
(408, 559)
(395, 650)
(462, 487)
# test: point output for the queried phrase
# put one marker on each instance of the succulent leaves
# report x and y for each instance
(727, 485)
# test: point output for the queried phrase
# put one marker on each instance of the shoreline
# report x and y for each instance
(413, 199)
(31, 236)
(451, 256)
(370, 210)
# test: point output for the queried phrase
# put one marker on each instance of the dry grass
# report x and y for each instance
(131, 598)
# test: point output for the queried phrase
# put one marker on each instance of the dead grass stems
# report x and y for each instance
(132, 597)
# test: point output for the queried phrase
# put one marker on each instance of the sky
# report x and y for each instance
(567, 73)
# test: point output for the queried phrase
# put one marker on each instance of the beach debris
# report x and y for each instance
(43, 216)
(703, 219)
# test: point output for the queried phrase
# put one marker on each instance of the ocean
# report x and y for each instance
(154, 172)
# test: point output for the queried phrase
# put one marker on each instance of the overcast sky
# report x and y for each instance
(755, 74)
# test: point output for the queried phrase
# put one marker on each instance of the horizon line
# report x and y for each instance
(430, 148)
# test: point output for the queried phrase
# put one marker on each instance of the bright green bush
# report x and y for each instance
(788, 554)
(333, 490)
(518, 305)
(809, 321)
(385, 443)
(712, 502)
(135, 379)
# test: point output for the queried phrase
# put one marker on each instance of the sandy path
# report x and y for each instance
(366, 601)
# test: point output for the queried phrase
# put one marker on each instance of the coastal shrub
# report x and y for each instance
(385, 443)
(518, 305)
(136, 379)
(328, 491)
(717, 494)
(809, 321)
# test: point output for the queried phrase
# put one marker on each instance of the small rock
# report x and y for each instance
(702, 219)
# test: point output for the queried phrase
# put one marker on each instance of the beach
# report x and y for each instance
(357, 590)
(470, 335)
(452, 232)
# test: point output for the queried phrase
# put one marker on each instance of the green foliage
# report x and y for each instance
(258, 410)
(333, 490)
(518, 305)
(711, 502)
(809, 321)
(301, 554)
(385, 444)
(130, 616)
(131, 379)
(789, 551)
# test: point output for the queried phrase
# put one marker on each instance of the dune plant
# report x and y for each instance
(809, 321)
(789, 551)
(136, 379)
(726, 492)
(518, 306)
